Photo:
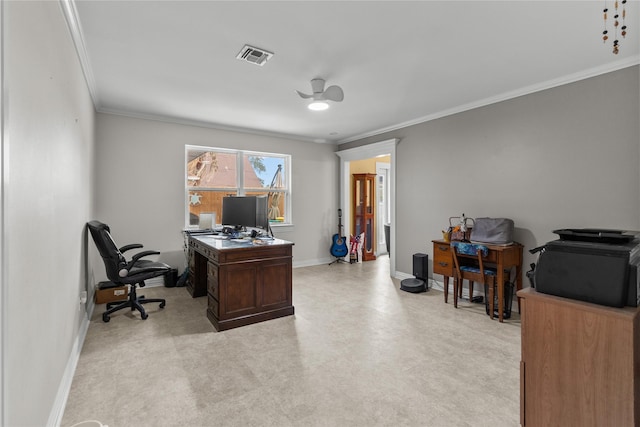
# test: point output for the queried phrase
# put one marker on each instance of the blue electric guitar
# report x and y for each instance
(339, 246)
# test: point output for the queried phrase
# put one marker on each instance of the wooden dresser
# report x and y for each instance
(245, 283)
(580, 363)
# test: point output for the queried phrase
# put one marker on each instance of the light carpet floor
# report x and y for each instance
(357, 352)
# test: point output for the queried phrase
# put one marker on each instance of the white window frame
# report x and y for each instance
(240, 190)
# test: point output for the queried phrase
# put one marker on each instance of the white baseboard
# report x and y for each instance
(312, 262)
(156, 281)
(477, 290)
(57, 411)
(401, 275)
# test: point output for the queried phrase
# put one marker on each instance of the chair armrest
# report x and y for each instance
(131, 246)
(124, 271)
(139, 255)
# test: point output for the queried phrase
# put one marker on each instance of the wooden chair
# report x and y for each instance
(469, 265)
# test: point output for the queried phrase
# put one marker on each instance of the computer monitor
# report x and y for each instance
(262, 212)
(239, 211)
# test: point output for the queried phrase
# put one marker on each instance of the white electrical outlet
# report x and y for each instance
(83, 297)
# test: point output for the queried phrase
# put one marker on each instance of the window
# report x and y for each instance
(213, 173)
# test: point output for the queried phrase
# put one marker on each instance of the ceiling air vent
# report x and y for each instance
(254, 55)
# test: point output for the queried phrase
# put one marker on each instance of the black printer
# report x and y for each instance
(595, 265)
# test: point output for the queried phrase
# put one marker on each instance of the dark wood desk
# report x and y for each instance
(504, 257)
(245, 283)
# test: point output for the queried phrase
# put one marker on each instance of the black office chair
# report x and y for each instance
(122, 272)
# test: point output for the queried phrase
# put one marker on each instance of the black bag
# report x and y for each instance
(498, 231)
(182, 280)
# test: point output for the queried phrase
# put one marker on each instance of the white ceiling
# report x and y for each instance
(398, 63)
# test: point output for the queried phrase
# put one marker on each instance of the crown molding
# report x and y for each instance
(210, 125)
(75, 28)
(369, 150)
(549, 84)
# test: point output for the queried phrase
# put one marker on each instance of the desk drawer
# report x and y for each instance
(491, 257)
(203, 249)
(191, 283)
(192, 261)
(212, 279)
(442, 259)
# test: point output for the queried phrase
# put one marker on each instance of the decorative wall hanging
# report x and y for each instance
(619, 15)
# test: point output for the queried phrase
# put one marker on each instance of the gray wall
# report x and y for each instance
(47, 185)
(559, 158)
(141, 185)
(565, 157)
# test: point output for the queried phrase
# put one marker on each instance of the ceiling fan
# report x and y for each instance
(320, 95)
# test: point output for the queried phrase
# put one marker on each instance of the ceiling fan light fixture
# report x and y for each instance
(320, 96)
(318, 106)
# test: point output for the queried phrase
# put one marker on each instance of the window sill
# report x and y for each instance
(281, 227)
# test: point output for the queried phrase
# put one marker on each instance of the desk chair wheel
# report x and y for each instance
(162, 304)
(106, 318)
(144, 315)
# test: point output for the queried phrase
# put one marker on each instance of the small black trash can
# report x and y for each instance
(508, 300)
(171, 278)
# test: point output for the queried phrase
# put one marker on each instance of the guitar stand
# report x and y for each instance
(338, 260)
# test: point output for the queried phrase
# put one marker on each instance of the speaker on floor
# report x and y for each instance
(421, 271)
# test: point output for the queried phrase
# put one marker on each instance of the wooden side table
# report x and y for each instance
(580, 363)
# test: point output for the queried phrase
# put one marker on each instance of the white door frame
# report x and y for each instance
(382, 169)
(3, 202)
(361, 153)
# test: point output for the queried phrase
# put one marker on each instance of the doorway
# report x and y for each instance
(387, 147)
